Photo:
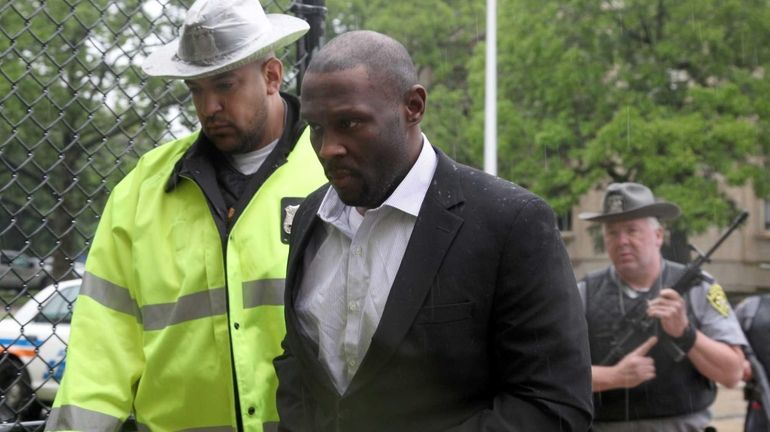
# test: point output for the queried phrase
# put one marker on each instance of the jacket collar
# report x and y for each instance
(203, 152)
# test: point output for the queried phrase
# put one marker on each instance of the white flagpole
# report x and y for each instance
(490, 91)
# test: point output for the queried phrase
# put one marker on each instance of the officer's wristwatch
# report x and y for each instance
(686, 341)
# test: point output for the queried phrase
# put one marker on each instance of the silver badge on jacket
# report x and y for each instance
(289, 206)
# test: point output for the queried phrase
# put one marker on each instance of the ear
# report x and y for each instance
(272, 73)
(414, 104)
(660, 235)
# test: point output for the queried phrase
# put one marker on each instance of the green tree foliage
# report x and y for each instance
(75, 112)
(672, 94)
(669, 93)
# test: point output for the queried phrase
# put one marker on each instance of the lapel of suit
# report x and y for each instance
(302, 231)
(303, 350)
(434, 230)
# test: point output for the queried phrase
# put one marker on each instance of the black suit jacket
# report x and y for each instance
(483, 328)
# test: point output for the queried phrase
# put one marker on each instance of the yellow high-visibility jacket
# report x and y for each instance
(174, 322)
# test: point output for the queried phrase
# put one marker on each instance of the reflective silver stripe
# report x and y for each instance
(143, 428)
(211, 429)
(270, 427)
(202, 304)
(109, 295)
(70, 417)
(264, 292)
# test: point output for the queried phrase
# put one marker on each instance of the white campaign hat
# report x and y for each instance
(222, 35)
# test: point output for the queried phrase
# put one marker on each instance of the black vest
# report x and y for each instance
(677, 389)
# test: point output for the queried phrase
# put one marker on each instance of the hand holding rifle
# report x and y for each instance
(669, 308)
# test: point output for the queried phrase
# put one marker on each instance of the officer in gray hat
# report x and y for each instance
(181, 308)
(647, 389)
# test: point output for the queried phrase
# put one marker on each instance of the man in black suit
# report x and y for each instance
(422, 295)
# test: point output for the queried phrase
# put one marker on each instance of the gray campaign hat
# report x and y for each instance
(222, 35)
(624, 201)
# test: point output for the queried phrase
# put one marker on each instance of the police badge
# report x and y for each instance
(289, 207)
(614, 204)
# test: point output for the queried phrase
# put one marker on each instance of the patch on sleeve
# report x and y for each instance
(718, 299)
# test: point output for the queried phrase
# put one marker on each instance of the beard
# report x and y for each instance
(246, 141)
(375, 179)
(237, 139)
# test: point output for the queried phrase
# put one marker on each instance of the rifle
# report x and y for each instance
(758, 388)
(637, 326)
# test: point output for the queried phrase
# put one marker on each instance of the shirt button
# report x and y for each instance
(352, 306)
(357, 251)
(252, 410)
(351, 363)
(237, 326)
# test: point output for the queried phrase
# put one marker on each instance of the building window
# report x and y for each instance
(767, 214)
(564, 221)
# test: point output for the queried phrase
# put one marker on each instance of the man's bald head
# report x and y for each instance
(386, 60)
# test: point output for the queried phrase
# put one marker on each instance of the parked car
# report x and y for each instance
(33, 344)
(79, 266)
(18, 269)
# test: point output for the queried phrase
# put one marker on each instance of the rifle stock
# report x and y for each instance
(638, 326)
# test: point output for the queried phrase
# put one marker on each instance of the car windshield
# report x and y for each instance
(58, 308)
(15, 258)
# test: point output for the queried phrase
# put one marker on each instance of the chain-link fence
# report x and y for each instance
(76, 111)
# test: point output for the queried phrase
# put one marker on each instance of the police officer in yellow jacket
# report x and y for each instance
(181, 309)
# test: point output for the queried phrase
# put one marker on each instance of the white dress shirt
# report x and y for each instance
(349, 268)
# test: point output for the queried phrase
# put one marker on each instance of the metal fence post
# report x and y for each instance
(314, 12)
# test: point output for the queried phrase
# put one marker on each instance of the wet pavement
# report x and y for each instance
(729, 410)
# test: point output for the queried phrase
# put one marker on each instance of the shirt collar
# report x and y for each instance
(407, 197)
(633, 293)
